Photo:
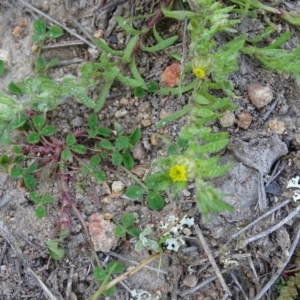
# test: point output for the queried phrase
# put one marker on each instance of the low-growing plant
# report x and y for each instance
(46, 156)
(40, 37)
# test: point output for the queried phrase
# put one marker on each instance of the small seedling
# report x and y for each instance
(40, 37)
(126, 227)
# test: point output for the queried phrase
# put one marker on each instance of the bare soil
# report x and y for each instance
(258, 152)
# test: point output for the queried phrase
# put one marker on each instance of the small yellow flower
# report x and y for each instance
(177, 173)
(199, 72)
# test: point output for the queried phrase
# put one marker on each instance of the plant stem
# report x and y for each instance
(135, 178)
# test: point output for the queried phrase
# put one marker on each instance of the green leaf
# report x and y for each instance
(127, 220)
(104, 131)
(116, 158)
(153, 86)
(177, 115)
(121, 142)
(161, 45)
(129, 48)
(106, 144)
(38, 121)
(80, 149)
(47, 199)
(31, 168)
(135, 136)
(37, 37)
(92, 132)
(66, 154)
(99, 274)
(94, 161)
(39, 26)
(15, 89)
(2, 67)
(104, 47)
(182, 143)
(115, 266)
(93, 121)
(155, 201)
(40, 64)
(16, 122)
(139, 92)
(134, 192)
(4, 161)
(99, 175)
(103, 94)
(134, 231)
(126, 27)
(16, 171)
(40, 212)
(54, 32)
(127, 160)
(17, 149)
(52, 63)
(172, 150)
(110, 291)
(35, 197)
(179, 14)
(29, 181)
(85, 170)
(70, 140)
(48, 130)
(55, 250)
(5, 139)
(119, 231)
(33, 137)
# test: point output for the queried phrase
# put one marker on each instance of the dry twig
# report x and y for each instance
(211, 259)
(280, 270)
(199, 286)
(136, 263)
(271, 229)
(258, 219)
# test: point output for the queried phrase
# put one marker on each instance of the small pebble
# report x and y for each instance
(117, 187)
(77, 122)
(146, 123)
(139, 152)
(99, 33)
(277, 126)
(121, 113)
(244, 120)
(153, 140)
(144, 107)
(259, 95)
(124, 101)
(139, 171)
(190, 280)
(93, 52)
(228, 119)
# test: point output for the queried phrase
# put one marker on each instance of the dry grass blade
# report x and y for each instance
(211, 259)
(126, 275)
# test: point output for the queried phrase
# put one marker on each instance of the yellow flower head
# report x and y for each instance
(177, 173)
(199, 72)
